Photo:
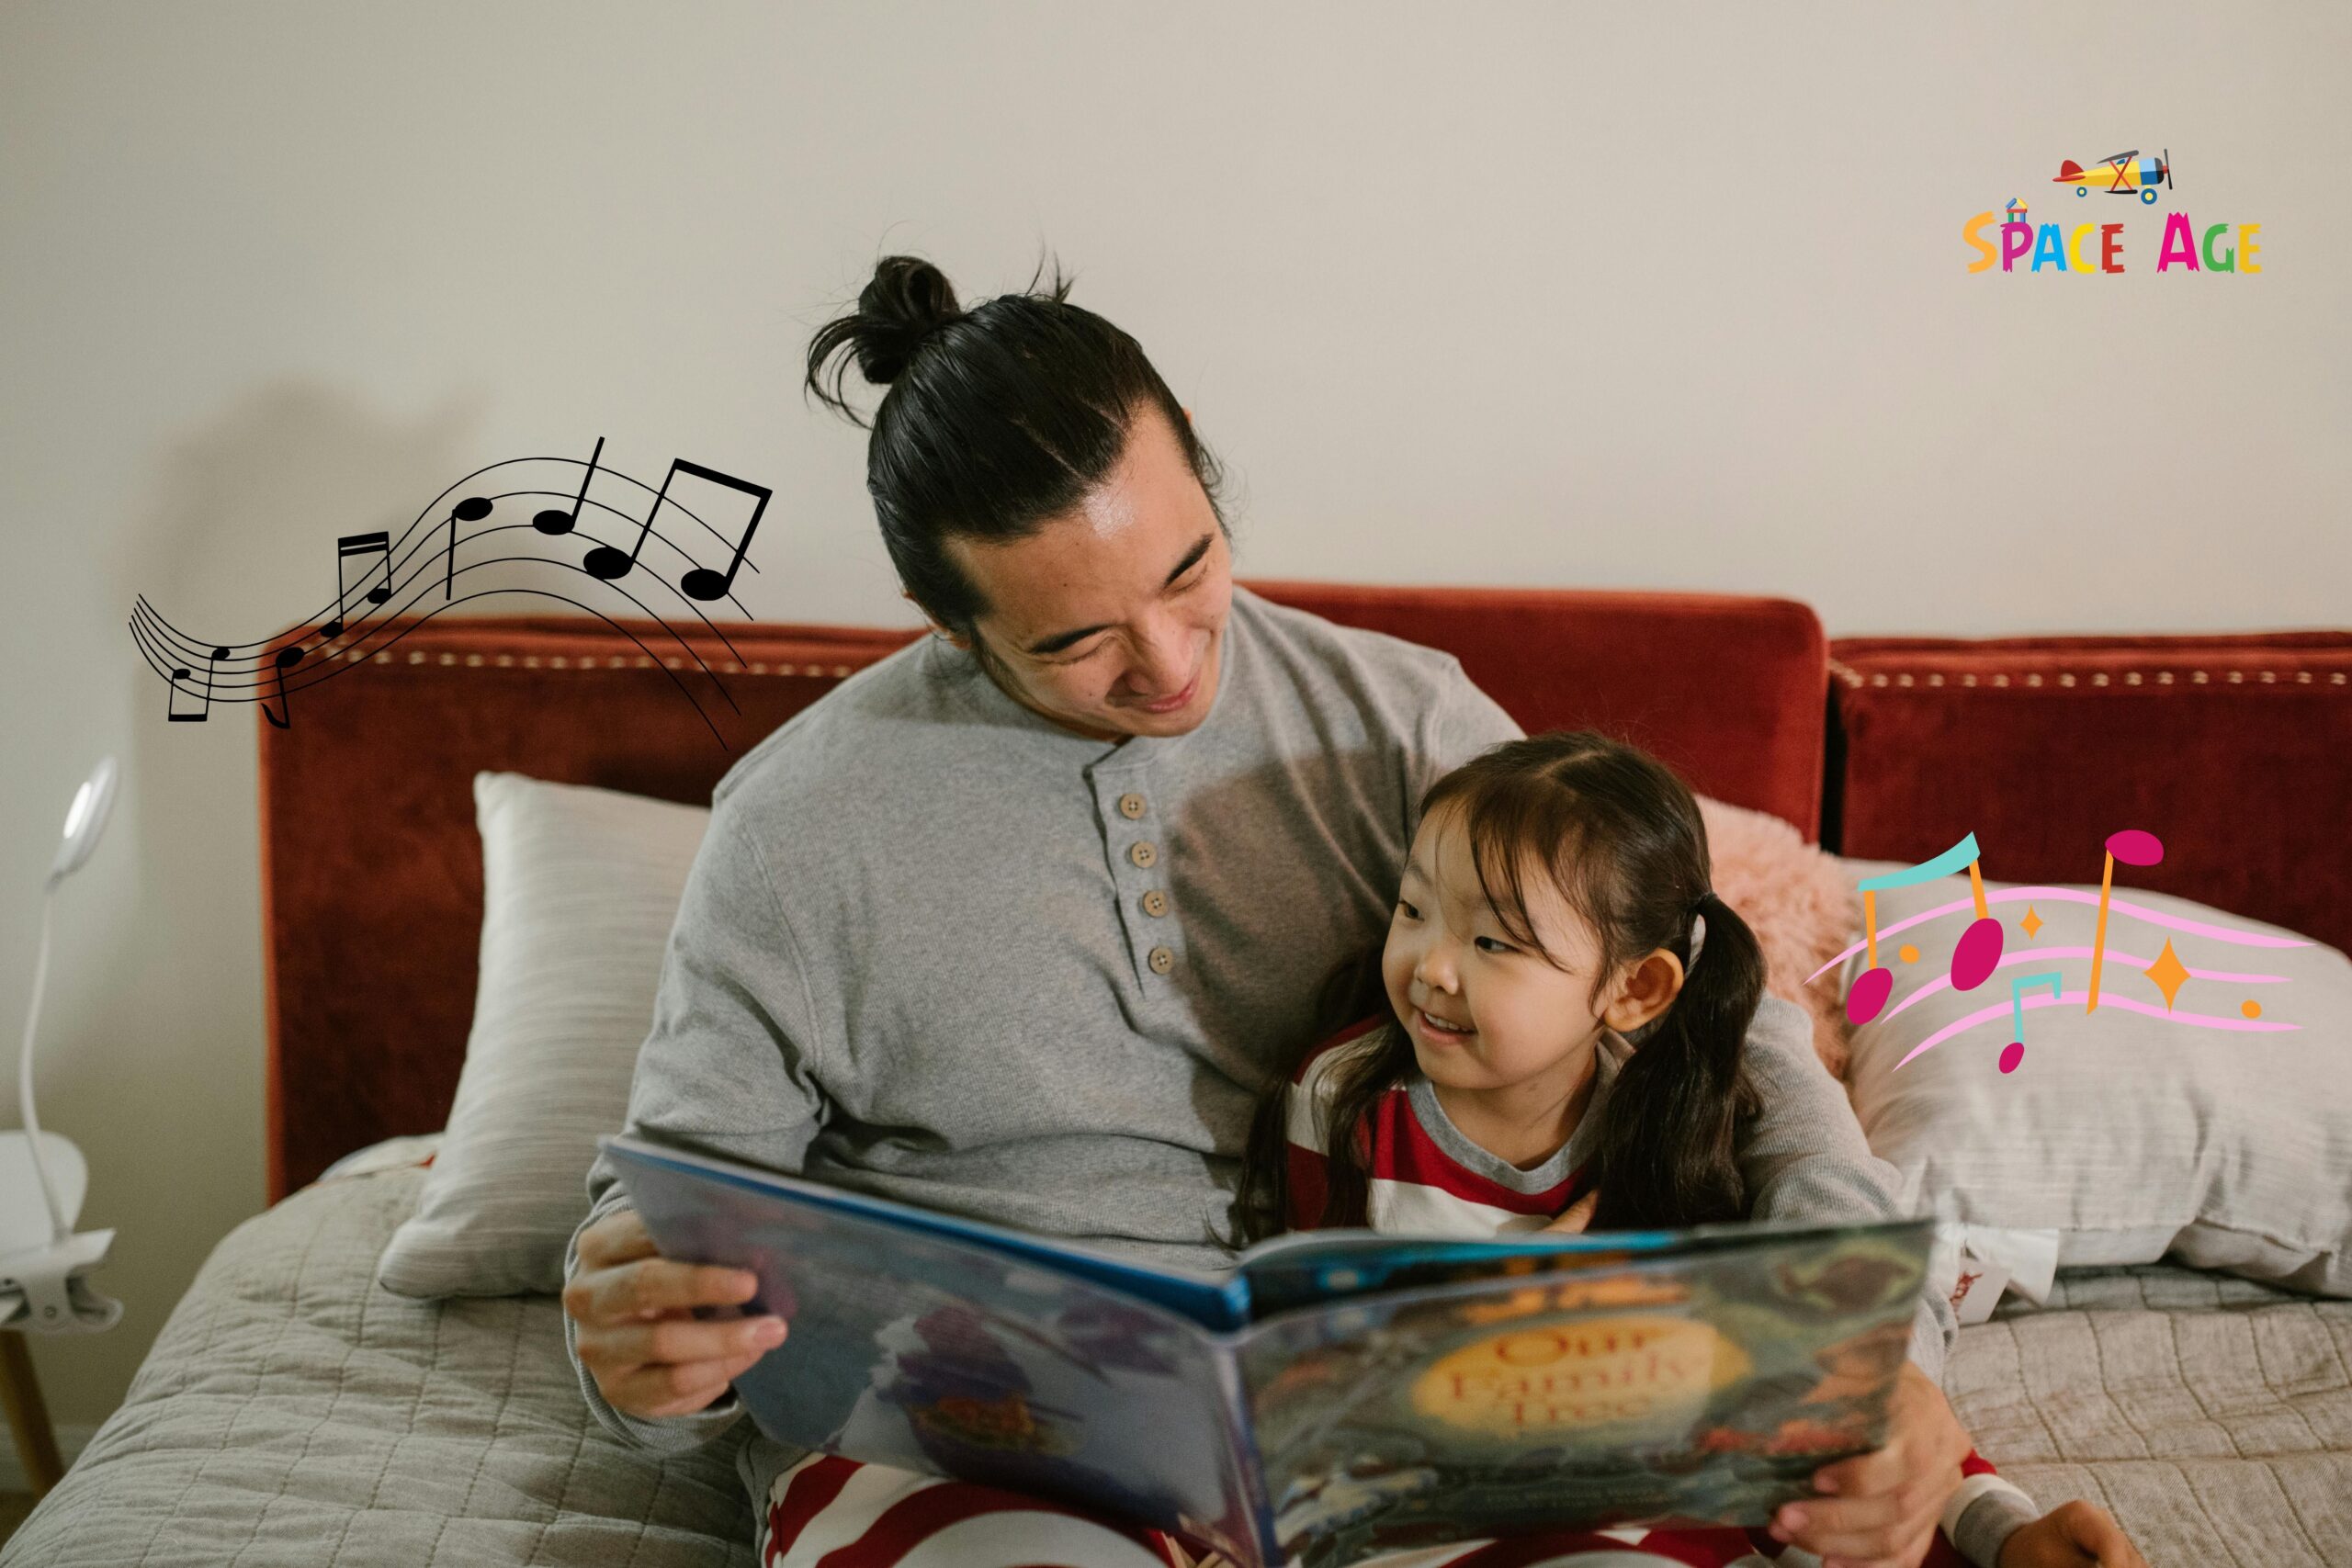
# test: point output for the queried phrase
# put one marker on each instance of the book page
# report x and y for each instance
(933, 1352)
(1702, 1386)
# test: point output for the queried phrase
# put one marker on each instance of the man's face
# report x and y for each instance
(1110, 618)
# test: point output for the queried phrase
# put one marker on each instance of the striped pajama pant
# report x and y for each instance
(827, 1512)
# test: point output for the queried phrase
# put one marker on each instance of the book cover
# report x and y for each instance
(1334, 1396)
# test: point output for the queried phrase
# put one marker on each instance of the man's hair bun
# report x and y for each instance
(993, 420)
(907, 301)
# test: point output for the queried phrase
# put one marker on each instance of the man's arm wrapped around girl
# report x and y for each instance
(1805, 1158)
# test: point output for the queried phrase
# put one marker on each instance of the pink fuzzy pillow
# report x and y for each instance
(1798, 899)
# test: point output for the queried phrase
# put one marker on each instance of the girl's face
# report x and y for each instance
(1484, 1010)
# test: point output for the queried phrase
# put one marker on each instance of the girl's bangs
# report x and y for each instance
(1516, 821)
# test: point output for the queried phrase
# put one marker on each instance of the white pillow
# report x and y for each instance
(2222, 1140)
(579, 889)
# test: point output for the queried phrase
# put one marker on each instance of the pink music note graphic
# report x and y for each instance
(2014, 1051)
(1976, 955)
(2133, 846)
(609, 564)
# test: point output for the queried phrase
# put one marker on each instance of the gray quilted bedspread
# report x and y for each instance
(293, 1413)
(293, 1416)
(2210, 1414)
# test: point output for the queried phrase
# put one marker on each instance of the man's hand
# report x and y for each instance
(2072, 1535)
(1880, 1507)
(639, 1336)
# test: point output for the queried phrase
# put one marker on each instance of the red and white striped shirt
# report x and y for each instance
(1428, 1178)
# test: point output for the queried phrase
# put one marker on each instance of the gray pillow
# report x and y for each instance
(2136, 1131)
(579, 889)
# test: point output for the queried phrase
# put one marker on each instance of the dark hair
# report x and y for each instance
(996, 419)
(1620, 837)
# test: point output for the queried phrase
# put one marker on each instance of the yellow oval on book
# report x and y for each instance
(1552, 1377)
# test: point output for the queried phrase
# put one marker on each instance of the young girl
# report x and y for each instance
(1562, 1048)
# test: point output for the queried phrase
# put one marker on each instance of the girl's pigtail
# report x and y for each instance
(1261, 1199)
(1668, 1147)
(1360, 1072)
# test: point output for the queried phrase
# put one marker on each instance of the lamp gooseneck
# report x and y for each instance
(57, 1226)
(85, 820)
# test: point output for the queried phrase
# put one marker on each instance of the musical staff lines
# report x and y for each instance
(379, 581)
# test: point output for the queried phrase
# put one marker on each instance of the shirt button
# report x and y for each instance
(1131, 805)
(1154, 903)
(1143, 855)
(1162, 961)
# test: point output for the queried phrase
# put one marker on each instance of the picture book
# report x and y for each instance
(1332, 1395)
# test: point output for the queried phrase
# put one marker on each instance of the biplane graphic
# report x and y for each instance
(2120, 174)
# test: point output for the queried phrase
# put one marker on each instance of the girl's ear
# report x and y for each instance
(1647, 990)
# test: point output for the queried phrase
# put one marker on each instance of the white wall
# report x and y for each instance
(1633, 295)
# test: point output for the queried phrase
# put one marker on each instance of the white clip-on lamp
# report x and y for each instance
(41, 1260)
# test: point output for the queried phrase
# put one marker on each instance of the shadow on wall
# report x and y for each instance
(154, 1065)
(240, 537)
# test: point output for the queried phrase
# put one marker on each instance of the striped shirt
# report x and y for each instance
(1428, 1178)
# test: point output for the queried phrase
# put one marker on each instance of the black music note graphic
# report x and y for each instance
(289, 657)
(359, 545)
(554, 520)
(606, 562)
(182, 673)
(706, 584)
(474, 509)
(176, 656)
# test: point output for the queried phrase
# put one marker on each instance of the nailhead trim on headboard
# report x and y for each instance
(612, 661)
(1854, 676)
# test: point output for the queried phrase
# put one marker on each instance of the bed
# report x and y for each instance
(292, 1412)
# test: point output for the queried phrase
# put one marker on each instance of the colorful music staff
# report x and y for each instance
(1979, 952)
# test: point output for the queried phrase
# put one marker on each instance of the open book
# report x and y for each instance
(1338, 1393)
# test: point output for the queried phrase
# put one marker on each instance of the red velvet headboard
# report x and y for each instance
(371, 869)
(2234, 750)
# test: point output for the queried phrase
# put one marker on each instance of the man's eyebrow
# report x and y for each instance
(1060, 640)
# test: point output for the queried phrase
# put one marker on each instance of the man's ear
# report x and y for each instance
(1647, 990)
(961, 643)
(1188, 416)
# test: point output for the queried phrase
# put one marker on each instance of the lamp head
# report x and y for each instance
(85, 820)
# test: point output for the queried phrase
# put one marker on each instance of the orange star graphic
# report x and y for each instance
(2168, 973)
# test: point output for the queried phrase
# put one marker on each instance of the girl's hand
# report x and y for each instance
(2072, 1535)
(1577, 1214)
(1881, 1507)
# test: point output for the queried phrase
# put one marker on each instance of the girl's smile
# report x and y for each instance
(1439, 1032)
